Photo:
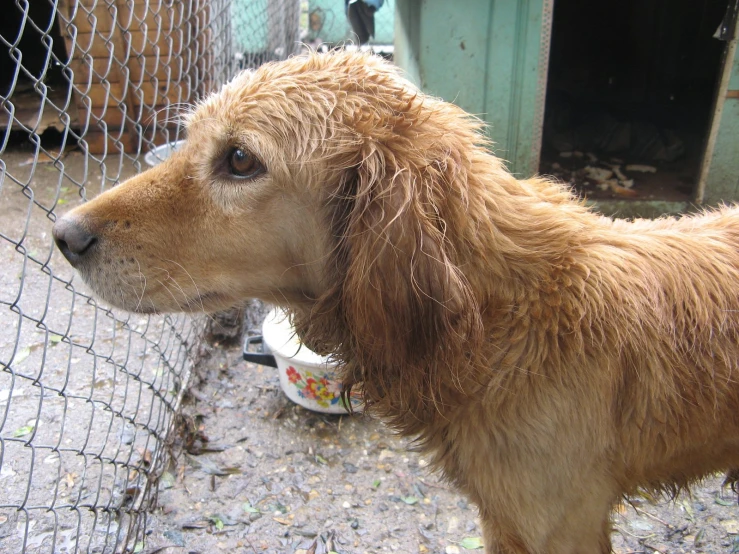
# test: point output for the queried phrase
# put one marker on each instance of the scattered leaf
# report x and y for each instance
(213, 468)
(166, 481)
(22, 354)
(198, 524)
(321, 460)
(386, 453)
(282, 520)
(278, 507)
(699, 537)
(410, 500)
(139, 547)
(620, 190)
(723, 502)
(598, 173)
(23, 431)
(131, 492)
(55, 339)
(731, 526)
(641, 168)
(640, 525)
(61, 202)
(102, 383)
(249, 508)
(216, 521)
(376, 483)
(471, 543)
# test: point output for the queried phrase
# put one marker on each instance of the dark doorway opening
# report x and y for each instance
(33, 86)
(630, 95)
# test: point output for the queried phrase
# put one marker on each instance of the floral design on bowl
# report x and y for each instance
(321, 388)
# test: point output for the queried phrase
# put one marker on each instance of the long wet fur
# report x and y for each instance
(547, 359)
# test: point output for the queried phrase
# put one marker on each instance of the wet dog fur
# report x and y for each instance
(547, 359)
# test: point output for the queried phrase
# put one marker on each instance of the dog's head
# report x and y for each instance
(324, 183)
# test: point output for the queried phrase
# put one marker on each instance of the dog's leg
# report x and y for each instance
(535, 496)
(582, 528)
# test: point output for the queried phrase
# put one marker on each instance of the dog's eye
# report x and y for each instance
(244, 164)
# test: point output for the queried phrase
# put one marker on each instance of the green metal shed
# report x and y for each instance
(488, 56)
(492, 57)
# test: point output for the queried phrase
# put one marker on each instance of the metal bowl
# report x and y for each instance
(157, 155)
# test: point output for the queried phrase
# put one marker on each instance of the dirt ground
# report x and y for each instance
(272, 477)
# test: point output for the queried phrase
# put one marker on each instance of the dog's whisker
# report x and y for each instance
(187, 298)
(194, 284)
(142, 278)
(176, 302)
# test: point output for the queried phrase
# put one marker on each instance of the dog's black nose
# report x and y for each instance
(73, 238)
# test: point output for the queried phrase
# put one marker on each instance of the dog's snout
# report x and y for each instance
(74, 238)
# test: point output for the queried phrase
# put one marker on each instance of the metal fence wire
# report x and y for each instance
(89, 395)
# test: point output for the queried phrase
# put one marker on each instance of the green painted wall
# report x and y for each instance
(489, 57)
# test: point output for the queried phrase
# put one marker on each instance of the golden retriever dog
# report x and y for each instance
(548, 360)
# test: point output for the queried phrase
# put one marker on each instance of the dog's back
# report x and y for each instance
(674, 310)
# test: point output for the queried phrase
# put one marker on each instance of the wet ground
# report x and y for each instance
(282, 479)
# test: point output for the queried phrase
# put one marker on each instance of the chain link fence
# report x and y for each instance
(89, 395)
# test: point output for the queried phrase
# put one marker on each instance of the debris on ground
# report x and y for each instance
(601, 175)
(262, 475)
(641, 168)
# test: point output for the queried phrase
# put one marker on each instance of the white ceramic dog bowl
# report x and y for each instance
(307, 378)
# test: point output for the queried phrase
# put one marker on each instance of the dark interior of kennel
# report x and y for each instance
(31, 50)
(631, 82)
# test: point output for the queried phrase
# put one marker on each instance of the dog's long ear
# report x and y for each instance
(404, 296)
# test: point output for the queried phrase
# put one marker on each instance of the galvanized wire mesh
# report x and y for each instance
(89, 395)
